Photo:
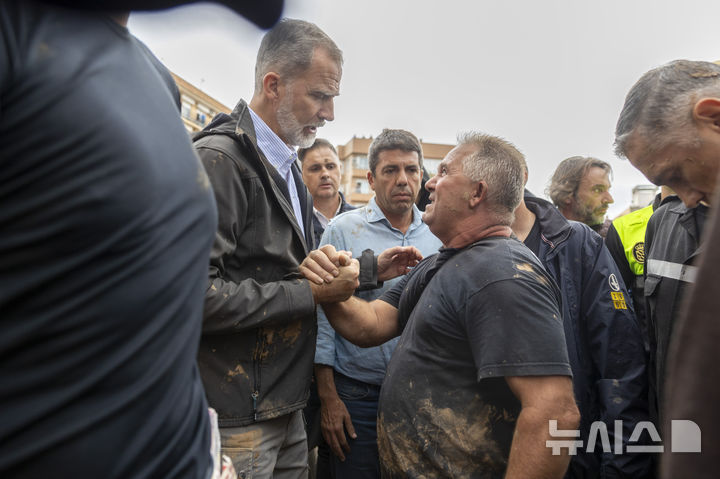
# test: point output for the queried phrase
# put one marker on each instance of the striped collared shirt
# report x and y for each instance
(281, 157)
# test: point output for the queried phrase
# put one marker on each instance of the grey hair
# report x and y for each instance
(659, 106)
(501, 165)
(288, 49)
(318, 143)
(568, 175)
(393, 140)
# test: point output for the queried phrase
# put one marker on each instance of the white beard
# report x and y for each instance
(290, 127)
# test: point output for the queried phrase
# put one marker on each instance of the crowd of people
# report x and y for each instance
(214, 307)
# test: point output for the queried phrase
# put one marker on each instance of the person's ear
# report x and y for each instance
(371, 180)
(706, 112)
(479, 194)
(271, 86)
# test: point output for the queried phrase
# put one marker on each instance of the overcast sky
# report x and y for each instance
(548, 75)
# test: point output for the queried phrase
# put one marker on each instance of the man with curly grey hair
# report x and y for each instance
(580, 188)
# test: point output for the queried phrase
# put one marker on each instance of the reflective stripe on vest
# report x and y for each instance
(631, 231)
(677, 271)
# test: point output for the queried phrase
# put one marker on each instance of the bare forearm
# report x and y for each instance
(325, 378)
(530, 458)
(362, 323)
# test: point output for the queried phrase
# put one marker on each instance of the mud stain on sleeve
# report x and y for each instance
(528, 268)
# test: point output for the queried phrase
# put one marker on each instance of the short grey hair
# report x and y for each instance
(659, 106)
(566, 180)
(501, 165)
(393, 140)
(288, 49)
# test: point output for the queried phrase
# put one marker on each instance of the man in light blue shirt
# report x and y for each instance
(349, 377)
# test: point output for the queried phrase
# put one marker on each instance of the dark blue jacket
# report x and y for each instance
(604, 340)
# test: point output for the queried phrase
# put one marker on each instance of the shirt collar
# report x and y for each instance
(374, 213)
(280, 155)
(322, 218)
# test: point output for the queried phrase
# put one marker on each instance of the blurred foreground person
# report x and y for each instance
(106, 224)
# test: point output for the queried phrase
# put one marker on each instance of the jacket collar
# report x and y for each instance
(239, 126)
(554, 227)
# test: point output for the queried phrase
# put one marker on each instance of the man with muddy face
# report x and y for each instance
(481, 368)
(341, 368)
(580, 188)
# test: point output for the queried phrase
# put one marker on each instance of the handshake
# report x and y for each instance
(333, 275)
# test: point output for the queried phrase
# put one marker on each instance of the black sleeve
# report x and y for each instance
(524, 318)
(617, 251)
(392, 295)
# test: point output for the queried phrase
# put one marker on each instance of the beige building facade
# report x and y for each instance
(197, 108)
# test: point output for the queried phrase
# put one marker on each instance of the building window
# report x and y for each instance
(201, 118)
(360, 162)
(186, 110)
(362, 187)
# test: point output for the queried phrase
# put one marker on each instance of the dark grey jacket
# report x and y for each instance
(672, 246)
(259, 330)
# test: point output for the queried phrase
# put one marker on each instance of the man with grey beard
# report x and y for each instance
(259, 330)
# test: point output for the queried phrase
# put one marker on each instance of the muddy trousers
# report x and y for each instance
(274, 448)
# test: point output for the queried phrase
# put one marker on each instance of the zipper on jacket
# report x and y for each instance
(255, 395)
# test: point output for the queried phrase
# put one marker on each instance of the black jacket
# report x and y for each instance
(672, 244)
(259, 330)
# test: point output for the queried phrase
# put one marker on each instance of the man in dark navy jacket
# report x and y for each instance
(604, 340)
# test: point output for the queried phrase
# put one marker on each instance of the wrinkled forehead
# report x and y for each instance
(596, 175)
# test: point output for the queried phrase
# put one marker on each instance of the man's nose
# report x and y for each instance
(402, 178)
(430, 184)
(327, 112)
